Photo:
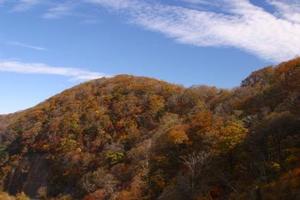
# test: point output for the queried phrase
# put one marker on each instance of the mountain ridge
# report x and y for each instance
(132, 137)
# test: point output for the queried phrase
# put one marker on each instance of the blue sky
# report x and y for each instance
(47, 46)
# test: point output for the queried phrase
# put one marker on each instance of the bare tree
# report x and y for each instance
(195, 162)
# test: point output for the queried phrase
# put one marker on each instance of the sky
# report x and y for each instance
(47, 46)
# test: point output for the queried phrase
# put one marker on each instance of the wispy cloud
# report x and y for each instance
(20, 44)
(69, 9)
(288, 9)
(40, 68)
(59, 10)
(233, 23)
(117, 4)
(274, 36)
(23, 5)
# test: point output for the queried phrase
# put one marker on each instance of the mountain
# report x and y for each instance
(132, 138)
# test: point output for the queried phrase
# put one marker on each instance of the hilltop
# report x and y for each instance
(131, 138)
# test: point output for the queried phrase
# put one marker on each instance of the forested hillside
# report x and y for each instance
(133, 138)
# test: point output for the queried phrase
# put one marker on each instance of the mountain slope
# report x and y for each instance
(138, 138)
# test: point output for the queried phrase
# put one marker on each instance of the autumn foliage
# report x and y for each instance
(132, 138)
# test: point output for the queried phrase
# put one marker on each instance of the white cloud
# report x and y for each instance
(23, 5)
(58, 11)
(219, 23)
(234, 23)
(117, 4)
(20, 44)
(40, 68)
(288, 9)
(202, 2)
